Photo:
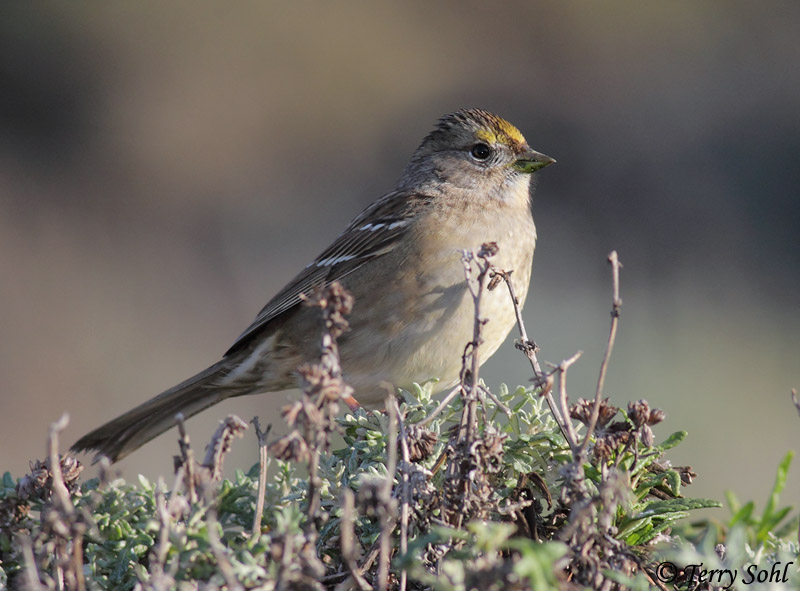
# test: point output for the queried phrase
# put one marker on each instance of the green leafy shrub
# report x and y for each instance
(518, 544)
(510, 490)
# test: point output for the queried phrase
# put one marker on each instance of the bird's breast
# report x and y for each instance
(415, 327)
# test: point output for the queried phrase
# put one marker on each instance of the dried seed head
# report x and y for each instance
(656, 416)
(638, 412)
(648, 438)
(642, 417)
(488, 249)
(602, 450)
(607, 412)
(303, 412)
(490, 449)
(687, 474)
(291, 411)
(336, 303)
(318, 383)
(582, 411)
(291, 447)
(39, 482)
(494, 281)
(421, 442)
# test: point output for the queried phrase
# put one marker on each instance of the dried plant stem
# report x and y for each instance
(405, 487)
(442, 405)
(391, 439)
(262, 474)
(528, 348)
(571, 436)
(335, 303)
(497, 401)
(31, 580)
(386, 515)
(314, 501)
(187, 458)
(64, 519)
(60, 492)
(313, 420)
(371, 557)
(162, 547)
(349, 538)
(219, 553)
(460, 471)
(612, 335)
(476, 287)
(220, 444)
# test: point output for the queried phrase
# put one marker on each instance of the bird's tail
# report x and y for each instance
(128, 432)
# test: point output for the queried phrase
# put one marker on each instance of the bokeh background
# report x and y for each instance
(166, 168)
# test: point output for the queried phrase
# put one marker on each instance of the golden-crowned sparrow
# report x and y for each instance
(468, 183)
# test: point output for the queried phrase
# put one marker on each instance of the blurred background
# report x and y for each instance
(165, 169)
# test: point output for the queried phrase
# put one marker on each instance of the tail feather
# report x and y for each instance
(120, 436)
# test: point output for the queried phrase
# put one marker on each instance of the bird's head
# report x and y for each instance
(474, 150)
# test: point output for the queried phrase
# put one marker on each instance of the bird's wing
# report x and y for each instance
(374, 233)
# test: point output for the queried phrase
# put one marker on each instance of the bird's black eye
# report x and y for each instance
(480, 151)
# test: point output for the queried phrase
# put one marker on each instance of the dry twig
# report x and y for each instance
(159, 578)
(529, 349)
(219, 553)
(572, 437)
(497, 401)
(262, 474)
(186, 459)
(31, 580)
(348, 536)
(405, 485)
(472, 454)
(442, 405)
(385, 508)
(61, 518)
(615, 308)
(220, 444)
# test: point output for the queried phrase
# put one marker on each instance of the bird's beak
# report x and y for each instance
(531, 161)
